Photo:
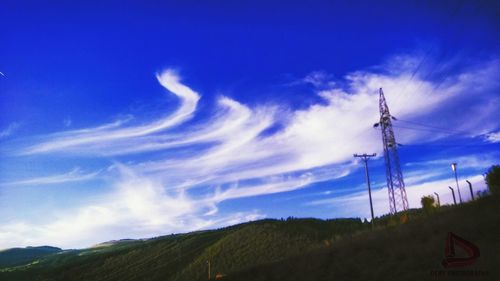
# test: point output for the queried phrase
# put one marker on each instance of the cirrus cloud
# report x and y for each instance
(238, 152)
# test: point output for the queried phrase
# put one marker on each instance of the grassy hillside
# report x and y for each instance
(412, 251)
(266, 241)
(296, 249)
(183, 257)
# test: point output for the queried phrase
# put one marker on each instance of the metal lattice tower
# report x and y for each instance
(395, 182)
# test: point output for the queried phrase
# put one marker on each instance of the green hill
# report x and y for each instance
(293, 249)
(18, 256)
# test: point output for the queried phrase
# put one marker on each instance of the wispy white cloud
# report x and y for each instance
(109, 134)
(11, 128)
(318, 79)
(269, 187)
(320, 135)
(74, 175)
(67, 122)
(137, 207)
(230, 118)
(493, 137)
(478, 161)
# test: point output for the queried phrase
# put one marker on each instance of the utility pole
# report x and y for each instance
(439, 202)
(454, 168)
(470, 188)
(209, 276)
(365, 158)
(453, 193)
(395, 183)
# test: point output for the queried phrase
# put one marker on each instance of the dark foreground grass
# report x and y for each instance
(412, 251)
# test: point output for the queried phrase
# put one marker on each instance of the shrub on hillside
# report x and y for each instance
(493, 179)
(428, 203)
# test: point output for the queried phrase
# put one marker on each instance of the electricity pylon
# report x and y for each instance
(395, 182)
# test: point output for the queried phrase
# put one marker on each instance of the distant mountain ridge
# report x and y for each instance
(18, 256)
(114, 242)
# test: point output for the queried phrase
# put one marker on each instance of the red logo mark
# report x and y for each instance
(449, 251)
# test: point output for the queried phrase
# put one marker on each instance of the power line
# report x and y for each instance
(425, 129)
(441, 130)
(453, 16)
(431, 127)
(446, 145)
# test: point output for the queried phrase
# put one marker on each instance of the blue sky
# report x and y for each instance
(130, 120)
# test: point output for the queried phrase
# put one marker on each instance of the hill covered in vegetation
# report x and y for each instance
(19, 256)
(292, 249)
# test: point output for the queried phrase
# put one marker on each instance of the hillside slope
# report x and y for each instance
(413, 251)
(296, 249)
(184, 256)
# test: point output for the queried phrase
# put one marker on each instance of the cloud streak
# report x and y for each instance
(9, 130)
(105, 135)
(72, 176)
(493, 137)
(139, 212)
